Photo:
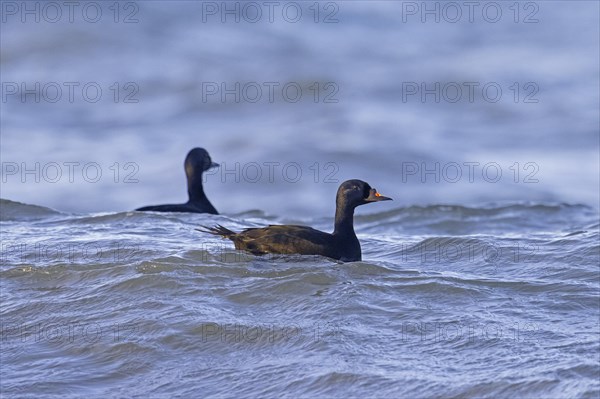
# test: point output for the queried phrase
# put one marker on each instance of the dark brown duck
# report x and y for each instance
(197, 162)
(342, 244)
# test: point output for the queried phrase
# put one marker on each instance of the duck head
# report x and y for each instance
(198, 161)
(357, 192)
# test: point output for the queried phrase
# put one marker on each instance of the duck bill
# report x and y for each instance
(374, 196)
(214, 165)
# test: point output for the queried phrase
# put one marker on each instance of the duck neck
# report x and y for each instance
(344, 220)
(195, 189)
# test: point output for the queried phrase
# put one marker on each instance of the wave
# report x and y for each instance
(460, 220)
(15, 211)
(483, 210)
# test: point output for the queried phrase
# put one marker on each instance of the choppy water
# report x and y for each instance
(481, 279)
(490, 301)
